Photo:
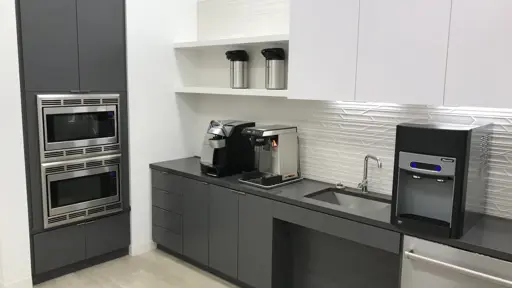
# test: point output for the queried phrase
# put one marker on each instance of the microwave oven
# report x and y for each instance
(72, 126)
(80, 189)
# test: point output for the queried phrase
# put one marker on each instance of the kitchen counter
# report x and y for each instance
(491, 236)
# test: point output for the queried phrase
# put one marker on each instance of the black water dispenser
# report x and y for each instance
(440, 178)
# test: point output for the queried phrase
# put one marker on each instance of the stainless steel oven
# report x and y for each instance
(80, 189)
(72, 126)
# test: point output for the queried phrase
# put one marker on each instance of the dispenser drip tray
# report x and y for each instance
(266, 180)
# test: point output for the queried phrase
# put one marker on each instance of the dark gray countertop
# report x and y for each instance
(492, 236)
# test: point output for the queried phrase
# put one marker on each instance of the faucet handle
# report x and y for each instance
(363, 183)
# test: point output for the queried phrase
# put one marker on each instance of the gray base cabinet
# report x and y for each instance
(61, 247)
(223, 230)
(195, 220)
(107, 235)
(58, 248)
(255, 241)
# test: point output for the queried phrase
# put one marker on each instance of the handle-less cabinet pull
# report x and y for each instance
(238, 192)
(413, 256)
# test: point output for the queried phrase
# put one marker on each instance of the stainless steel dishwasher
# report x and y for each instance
(427, 264)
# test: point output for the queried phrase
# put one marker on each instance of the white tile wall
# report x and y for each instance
(219, 19)
(335, 137)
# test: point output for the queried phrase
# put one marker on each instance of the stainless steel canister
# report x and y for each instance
(275, 68)
(239, 69)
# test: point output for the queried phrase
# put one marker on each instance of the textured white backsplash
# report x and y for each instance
(218, 19)
(335, 137)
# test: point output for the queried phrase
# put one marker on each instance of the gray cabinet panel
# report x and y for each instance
(170, 201)
(49, 41)
(195, 220)
(255, 241)
(168, 239)
(101, 43)
(168, 220)
(58, 248)
(224, 230)
(168, 182)
(350, 230)
(107, 234)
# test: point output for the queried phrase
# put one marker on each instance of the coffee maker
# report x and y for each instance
(439, 181)
(276, 152)
(225, 151)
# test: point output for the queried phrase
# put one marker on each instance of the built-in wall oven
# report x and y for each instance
(80, 189)
(73, 126)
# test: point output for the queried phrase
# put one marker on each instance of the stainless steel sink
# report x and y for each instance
(350, 199)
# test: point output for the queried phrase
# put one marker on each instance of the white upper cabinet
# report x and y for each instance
(323, 49)
(402, 51)
(479, 71)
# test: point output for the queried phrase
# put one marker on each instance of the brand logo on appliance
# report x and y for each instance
(447, 160)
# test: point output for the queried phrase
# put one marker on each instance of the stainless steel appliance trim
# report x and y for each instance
(81, 173)
(44, 191)
(76, 110)
(447, 168)
(469, 272)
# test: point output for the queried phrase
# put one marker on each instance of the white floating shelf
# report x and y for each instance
(229, 91)
(280, 38)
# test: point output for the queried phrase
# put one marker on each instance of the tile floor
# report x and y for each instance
(154, 269)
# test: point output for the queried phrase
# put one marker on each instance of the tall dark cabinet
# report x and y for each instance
(73, 45)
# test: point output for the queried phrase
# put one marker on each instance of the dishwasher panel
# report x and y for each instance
(427, 264)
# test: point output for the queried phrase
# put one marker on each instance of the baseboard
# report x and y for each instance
(141, 249)
(24, 283)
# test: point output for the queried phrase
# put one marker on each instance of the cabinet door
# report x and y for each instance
(402, 51)
(107, 235)
(223, 230)
(480, 54)
(49, 45)
(255, 241)
(426, 264)
(58, 248)
(323, 49)
(195, 220)
(101, 42)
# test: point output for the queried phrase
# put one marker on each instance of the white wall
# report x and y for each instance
(155, 113)
(335, 137)
(14, 232)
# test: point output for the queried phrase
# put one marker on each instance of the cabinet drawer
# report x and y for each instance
(167, 200)
(339, 227)
(168, 239)
(445, 266)
(58, 248)
(168, 220)
(165, 181)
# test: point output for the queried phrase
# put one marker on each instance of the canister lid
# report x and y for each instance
(237, 55)
(273, 53)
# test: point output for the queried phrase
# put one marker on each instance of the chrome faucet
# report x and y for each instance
(364, 184)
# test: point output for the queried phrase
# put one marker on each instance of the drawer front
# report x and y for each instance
(168, 220)
(165, 181)
(427, 264)
(339, 227)
(168, 239)
(170, 201)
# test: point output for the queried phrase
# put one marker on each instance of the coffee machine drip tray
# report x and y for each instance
(266, 180)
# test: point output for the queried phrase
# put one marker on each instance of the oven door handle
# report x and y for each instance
(468, 272)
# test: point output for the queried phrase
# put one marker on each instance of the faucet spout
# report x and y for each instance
(364, 184)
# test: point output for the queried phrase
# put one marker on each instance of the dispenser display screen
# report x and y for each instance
(426, 166)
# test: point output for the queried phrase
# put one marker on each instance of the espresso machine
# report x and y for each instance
(440, 178)
(276, 152)
(225, 151)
